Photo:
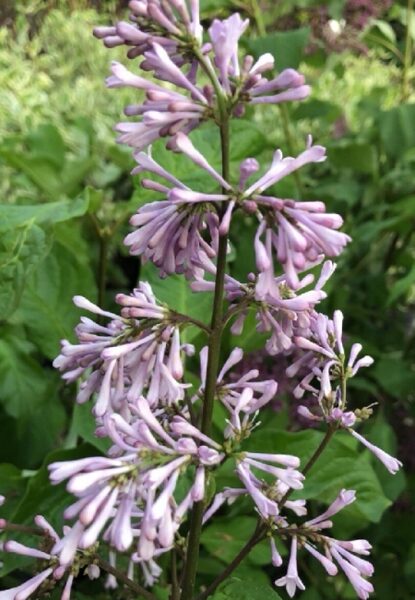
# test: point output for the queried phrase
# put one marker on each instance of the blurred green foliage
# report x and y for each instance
(66, 196)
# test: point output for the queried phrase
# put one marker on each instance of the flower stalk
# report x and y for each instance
(195, 530)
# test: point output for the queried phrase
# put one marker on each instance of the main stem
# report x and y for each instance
(193, 543)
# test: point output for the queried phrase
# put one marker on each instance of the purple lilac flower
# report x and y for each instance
(154, 21)
(264, 495)
(245, 394)
(224, 35)
(254, 88)
(344, 553)
(169, 37)
(325, 356)
(133, 363)
(325, 359)
(300, 234)
(291, 581)
(53, 572)
(170, 232)
(165, 111)
(392, 464)
(139, 350)
(129, 500)
(283, 312)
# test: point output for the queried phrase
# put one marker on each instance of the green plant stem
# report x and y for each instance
(320, 449)
(285, 121)
(102, 268)
(15, 527)
(256, 537)
(135, 587)
(344, 391)
(260, 531)
(408, 51)
(193, 543)
(259, 21)
(175, 588)
(186, 319)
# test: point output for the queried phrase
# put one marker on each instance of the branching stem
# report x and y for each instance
(257, 536)
(260, 531)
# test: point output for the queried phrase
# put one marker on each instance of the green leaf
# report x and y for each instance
(47, 310)
(245, 589)
(12, 485)
(12, 216)
(402, 286)
(395, 375)
(23, 384)
(46, 142)
(84, 425)
(317, 109)
(359, 157)
(385, 29)
(74, 173)
(250, 140)
(225, 537)
(40, 171)
(20, 250)
(286, 47)
(396, 129)
(29, 438)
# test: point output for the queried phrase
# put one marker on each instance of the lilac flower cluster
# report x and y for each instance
(163, 457)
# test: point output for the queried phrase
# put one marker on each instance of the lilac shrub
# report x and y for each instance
(151, 494)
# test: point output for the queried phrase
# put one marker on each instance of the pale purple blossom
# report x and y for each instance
(392, 464)
(344, 498)
(137, 351)
(165, 111)
(355, 570)
(154, 21)
(169, 232)
(291, 581)
(52, 570)
(264, 495)
(300, 238)
(288, 85)
(347, 554)
(325, 359)
(109, 491)
(245, 394)
(224, 35)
